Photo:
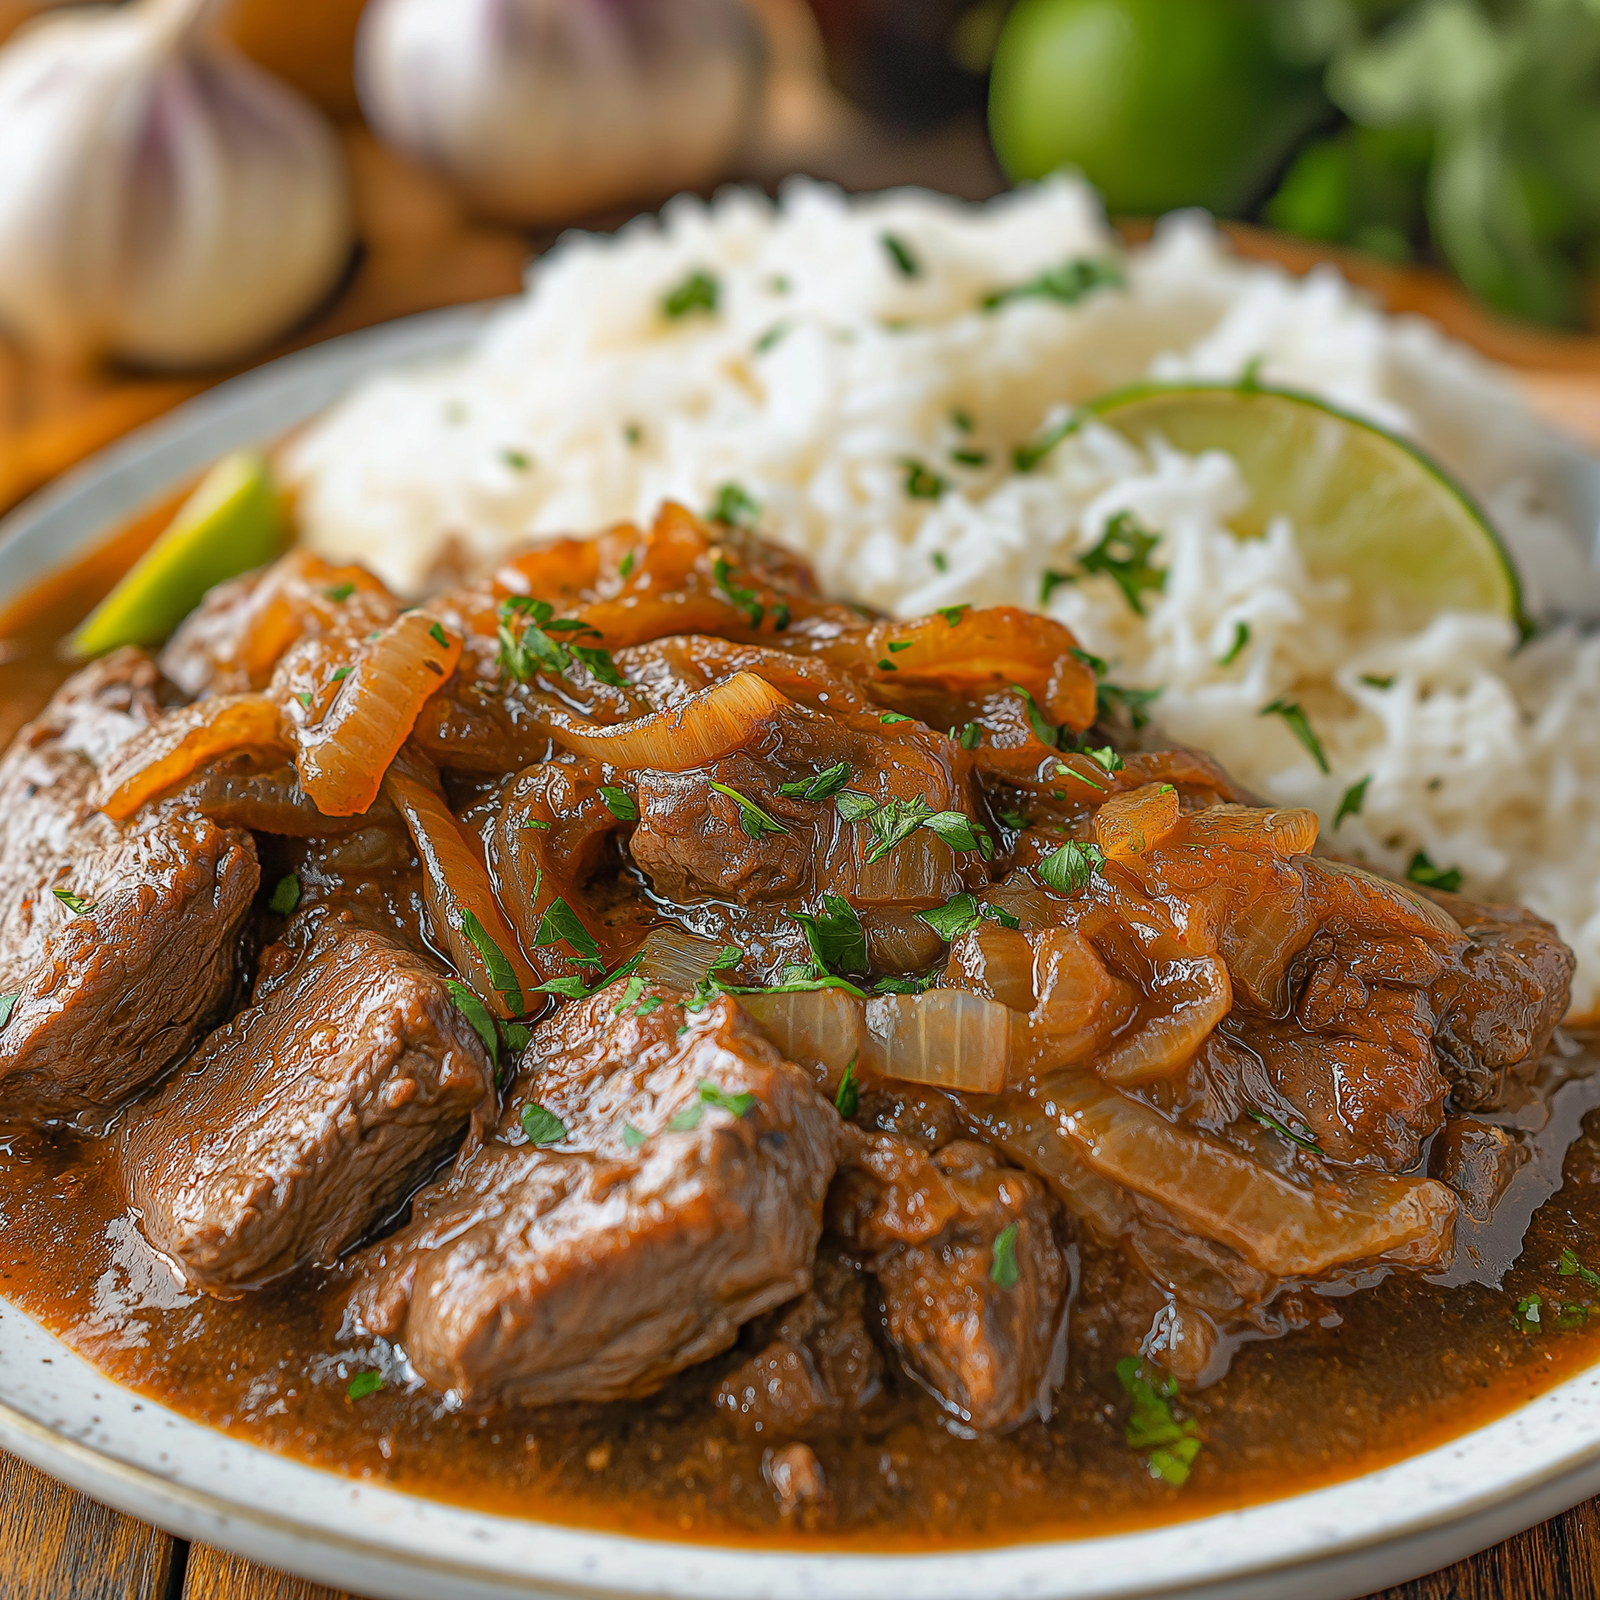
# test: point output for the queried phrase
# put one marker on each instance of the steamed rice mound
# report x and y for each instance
(872, 414)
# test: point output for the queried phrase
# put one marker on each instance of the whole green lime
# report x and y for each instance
(1160, 103)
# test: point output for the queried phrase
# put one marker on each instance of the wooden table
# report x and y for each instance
(420, 250)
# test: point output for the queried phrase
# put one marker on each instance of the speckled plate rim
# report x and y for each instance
(65, 1417)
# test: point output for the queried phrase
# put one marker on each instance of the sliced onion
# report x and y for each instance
(676, 958)
(1213, 1190)
(996, 962)
(707, 725)
(172, 749)
(456, 883)
(1135, 822)
(823, 1029)
(342, 759)
(946, 1037)
(1290, 832)
(1261, 937)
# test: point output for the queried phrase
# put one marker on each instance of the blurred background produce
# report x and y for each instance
(402, 154)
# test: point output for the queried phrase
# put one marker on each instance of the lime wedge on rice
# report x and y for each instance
(1364, 504)
(231, 523)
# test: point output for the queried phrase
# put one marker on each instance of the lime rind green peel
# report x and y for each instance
(1365, 505)
(230, 524)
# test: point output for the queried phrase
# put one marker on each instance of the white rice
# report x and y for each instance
(824, 369)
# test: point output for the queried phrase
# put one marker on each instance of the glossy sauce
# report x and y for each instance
(1361, 1380)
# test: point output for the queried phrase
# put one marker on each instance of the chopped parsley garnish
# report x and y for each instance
(752, 818)
(922, 482)
(899, 252)
(1241, 637)
(847, 1100)
(517, 460)
(537, 822)
(970, 736)
(896, 820)
(736, 1105)
(889, 718)
(962, 421)
(1351, 801)
(650, 1003)
(625, 568)
(304, 697)
(1045, 732)
(542, 1126)
(906, 985)
(1569, 1267)
(970, 458)
(1300, 726)
(524, 651)
(897, 645)
(340, 592)
(341, 674)
(477, 1013)
(1288, 1133)
(631, 1136)
(560, 923)
(515, 1035)
(1050, 581)
(1016, 819)
(1066, 284)
(619, 803)
(1123, 555)
(633, 433)
(1374, 682)
(75, 903)
(1105, 758)
(827, 781)
(740, 599)
(1527, 1316)
(632, 994)
(699, 292)
(1003, 1270)
(1096, 664)
(502, 975)
(941, 562)
(961, 914)
(1109, 698)
(599, 663)
(437, 634)
(952, 614)
(1027, 456)
(770, 338)
(8, 1004)
(886, 665)
(1069, 868)
(836, 938)
(734, 507)
(1423, 871)
(285, 895)
(710, 985)
(364, 1384)
(1151, 1426)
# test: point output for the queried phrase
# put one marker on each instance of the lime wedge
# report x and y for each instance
(230, 524)
(1365, 505)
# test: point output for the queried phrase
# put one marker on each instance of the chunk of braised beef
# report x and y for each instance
(817, 1366)
(680, 1195)
(973, 1275)
(1478, 1160)
(119, 944)
(1499, 1005)
(309, 1118)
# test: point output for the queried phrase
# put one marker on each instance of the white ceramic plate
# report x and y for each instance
(65, 1417)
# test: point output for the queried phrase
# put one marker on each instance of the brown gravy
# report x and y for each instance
(1366, 1379)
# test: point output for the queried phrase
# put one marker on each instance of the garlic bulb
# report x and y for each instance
(161, 199)
(541, 110)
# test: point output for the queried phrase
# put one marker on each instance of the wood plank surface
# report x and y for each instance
(56, 1545)
(214, 1575)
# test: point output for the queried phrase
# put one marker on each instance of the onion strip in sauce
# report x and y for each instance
(949, 1038)
(707, 725)
(170, 751)
(343, 757)
(462, 909)
(1215, 1191)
